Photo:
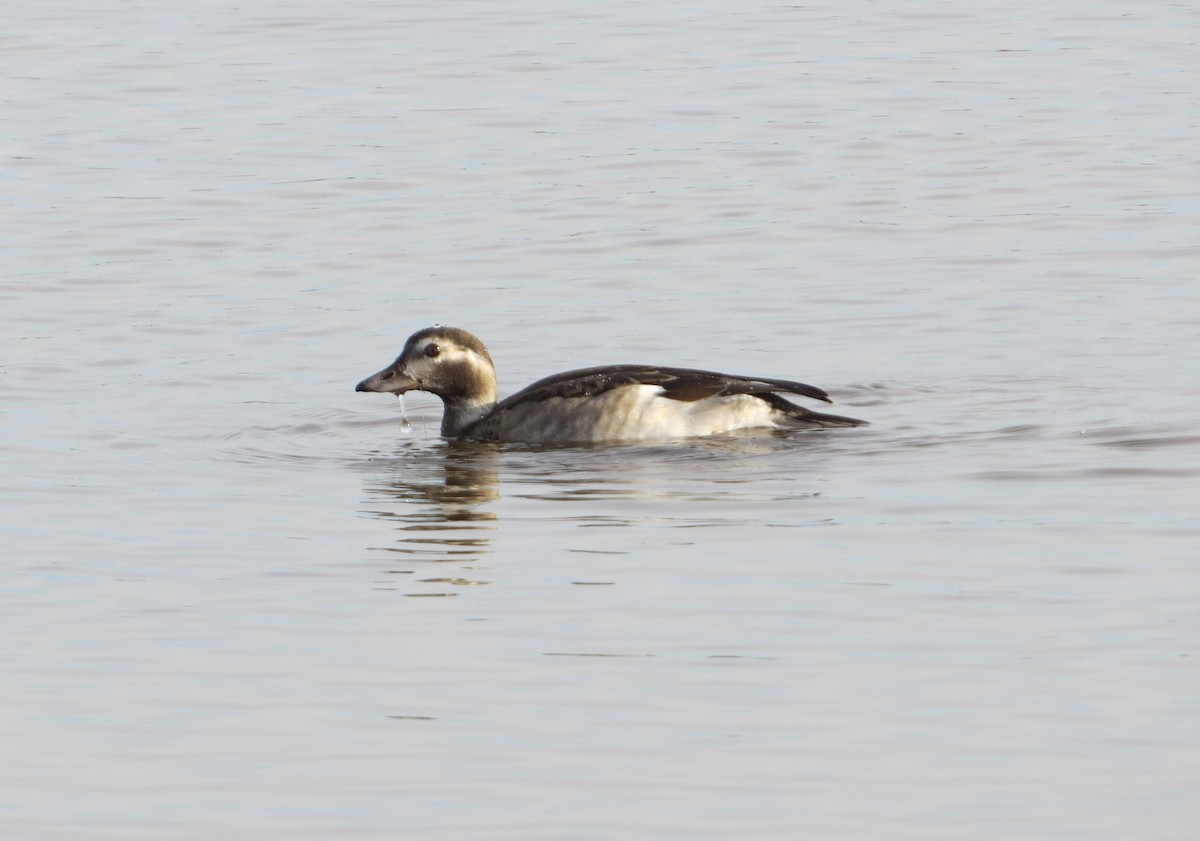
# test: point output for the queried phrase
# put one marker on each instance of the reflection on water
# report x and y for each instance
(436, 498)
(441, 502)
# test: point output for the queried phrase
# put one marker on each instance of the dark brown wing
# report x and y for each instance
(685, 384)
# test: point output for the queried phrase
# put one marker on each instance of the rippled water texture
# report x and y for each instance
(241, 600)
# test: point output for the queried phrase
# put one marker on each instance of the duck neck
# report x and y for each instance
(460, 414)
(468, 391)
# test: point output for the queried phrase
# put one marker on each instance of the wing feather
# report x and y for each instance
(686, 384)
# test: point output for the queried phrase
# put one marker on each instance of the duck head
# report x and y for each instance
(448, 362)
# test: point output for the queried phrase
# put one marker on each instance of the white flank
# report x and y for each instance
(631, 413)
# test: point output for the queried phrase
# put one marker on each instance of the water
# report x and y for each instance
(241, 599)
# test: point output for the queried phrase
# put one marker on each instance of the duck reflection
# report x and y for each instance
(437, 498)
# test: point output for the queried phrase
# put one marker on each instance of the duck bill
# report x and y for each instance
(388, 381)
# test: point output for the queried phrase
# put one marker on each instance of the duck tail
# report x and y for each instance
(806, 418)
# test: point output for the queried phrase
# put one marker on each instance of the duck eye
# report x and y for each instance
(431, 351)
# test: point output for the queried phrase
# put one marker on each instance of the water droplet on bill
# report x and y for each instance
(405, 426)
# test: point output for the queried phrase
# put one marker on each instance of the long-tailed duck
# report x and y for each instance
(609, 403)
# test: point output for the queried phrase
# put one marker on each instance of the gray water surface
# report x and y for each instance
(241, 600)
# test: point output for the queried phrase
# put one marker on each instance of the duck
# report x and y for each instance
(610, 403)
